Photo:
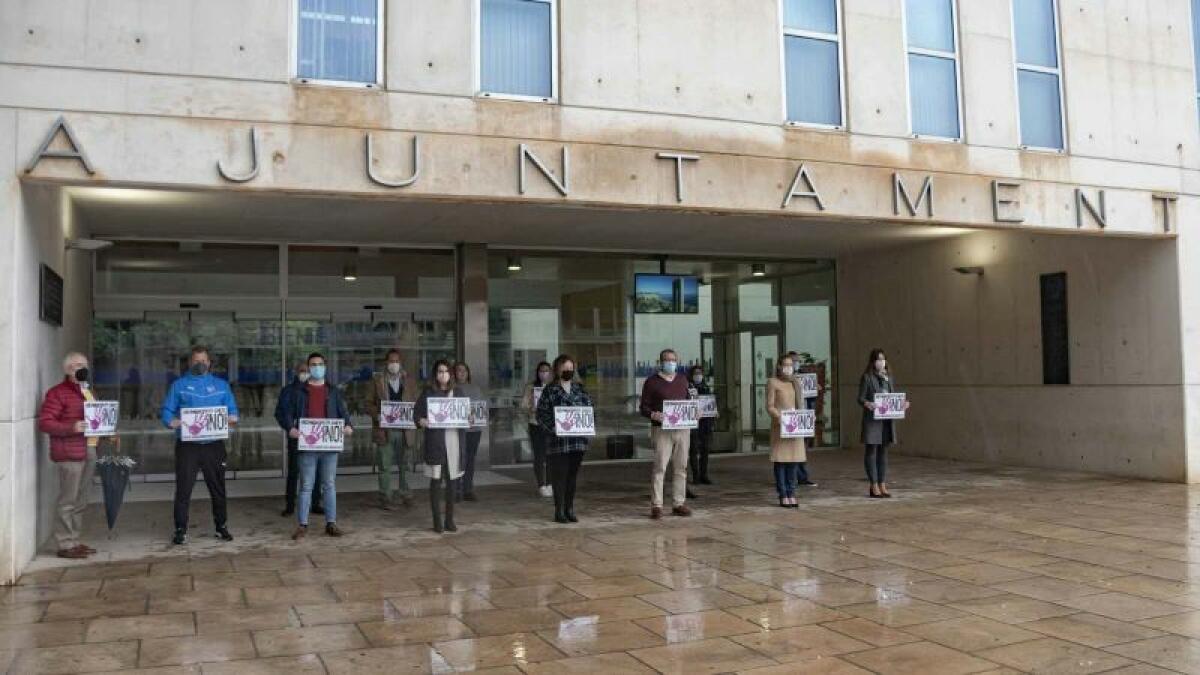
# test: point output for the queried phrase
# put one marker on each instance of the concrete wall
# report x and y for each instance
(34, 222)
(968, 351)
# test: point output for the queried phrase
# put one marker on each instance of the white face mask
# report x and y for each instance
(697, 378)
(787, 371)
(880, 365)
(393, 368)
(303, 377)
(544, 376)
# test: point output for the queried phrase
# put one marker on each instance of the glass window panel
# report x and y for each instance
(1041, 109)
(815, 15)
(185, 269)
(1196, 39)
(933, 91)
(515, 46)
(1033, 21)
(930, 24)
(813, 83)
(337, 39)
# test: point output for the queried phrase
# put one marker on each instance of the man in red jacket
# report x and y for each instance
(61, 417)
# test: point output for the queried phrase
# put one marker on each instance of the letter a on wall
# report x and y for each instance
(73, 151)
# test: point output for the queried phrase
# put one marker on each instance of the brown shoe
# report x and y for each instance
(655, 513)
(682, 510)
(86, 549)
(300, 533)
(333, 530)
(74, 553)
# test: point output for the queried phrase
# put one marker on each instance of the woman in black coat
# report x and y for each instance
(701, 441)
(877, 435)
(443, 447)
(564, 454)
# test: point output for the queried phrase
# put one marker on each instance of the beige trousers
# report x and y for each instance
(669, 447)
(74, 481)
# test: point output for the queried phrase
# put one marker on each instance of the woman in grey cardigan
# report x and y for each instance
(876, 434)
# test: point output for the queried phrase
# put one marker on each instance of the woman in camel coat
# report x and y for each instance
(786, 453)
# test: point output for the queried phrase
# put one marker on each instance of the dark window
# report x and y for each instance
(1056, 361)
(50, 297)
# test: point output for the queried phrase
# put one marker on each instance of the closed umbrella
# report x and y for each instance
(114, 481)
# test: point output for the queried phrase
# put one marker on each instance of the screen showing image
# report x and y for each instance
(666, 294)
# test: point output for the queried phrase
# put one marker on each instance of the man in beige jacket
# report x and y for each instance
(390, 444)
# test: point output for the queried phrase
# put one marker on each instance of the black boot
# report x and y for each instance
(569, 505)
(450, 490)
(434, 506)
(560, 515)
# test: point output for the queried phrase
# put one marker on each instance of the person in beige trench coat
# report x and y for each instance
(786, 453)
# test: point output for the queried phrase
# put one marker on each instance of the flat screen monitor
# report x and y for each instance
(666, 294)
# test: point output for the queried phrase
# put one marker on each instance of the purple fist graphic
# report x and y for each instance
(673, 418)
(94, 423)
(567, 424)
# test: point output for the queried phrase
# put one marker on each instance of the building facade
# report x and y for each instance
(999, 193)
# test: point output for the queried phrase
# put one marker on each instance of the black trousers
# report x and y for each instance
(564, 472)
(698, 455)
(209, 459)
(537, 441)
(293, 476)
(875, 461)
(466, 484)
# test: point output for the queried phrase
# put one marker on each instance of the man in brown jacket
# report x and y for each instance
(390, 444)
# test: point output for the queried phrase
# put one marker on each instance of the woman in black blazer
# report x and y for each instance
(877, 435)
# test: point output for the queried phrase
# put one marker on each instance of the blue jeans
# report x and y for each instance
(802, 472)
(785, 478)
(313, 464)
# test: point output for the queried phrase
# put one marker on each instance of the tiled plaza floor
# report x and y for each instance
(970, 569)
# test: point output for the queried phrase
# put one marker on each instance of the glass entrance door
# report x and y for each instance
(355, 346)
(764, 351)
(136, 359)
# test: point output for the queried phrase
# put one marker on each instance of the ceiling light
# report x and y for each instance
(87, 244)
(758, 270)
(350, 273)
(514, 263)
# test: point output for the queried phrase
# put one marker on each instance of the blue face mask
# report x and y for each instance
(316, 372)
(669, 367)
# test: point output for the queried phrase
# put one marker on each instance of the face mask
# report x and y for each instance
(669, 367)
(81, 375)
(697, 378)
(394, 368)
(880, 365)
(566, 375)
(443, 378)
(303, 377)
(316, 372)
(544, 376)
(786, 371)
(199, 368)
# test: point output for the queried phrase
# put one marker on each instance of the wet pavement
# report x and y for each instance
(969, 569)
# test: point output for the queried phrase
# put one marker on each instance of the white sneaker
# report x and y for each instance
(546, 491)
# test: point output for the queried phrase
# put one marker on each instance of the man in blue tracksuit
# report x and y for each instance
(198, 389)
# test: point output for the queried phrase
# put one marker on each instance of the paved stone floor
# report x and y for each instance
(970, 569)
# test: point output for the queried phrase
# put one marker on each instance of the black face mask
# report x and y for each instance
(566, 375)
(199, 369)
(81, 375)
